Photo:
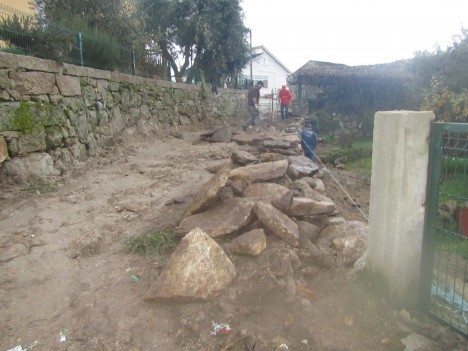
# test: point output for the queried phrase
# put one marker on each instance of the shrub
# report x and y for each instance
(22, 36)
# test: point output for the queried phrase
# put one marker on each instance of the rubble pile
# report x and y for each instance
(271, 194)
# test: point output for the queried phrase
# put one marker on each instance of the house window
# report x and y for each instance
(265, 61)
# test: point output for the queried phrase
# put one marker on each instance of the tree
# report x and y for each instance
(222, 48)
(109, 16)
(206, 35)
(455, 59)
(168, 23)
(446, 104)
(111, 32)
(442, 76)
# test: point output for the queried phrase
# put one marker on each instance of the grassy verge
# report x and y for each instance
(358, 157)
(362, 166)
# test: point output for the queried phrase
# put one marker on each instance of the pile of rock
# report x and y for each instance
(275, 194)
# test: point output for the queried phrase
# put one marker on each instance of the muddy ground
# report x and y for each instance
(66, 282)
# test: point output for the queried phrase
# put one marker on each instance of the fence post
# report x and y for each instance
(430, 221)
(400, 158)
(79, 45)
(133, 63)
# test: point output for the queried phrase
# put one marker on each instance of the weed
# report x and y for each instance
(155, 243)
(38, 187)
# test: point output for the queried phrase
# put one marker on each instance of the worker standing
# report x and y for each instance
(285, 98)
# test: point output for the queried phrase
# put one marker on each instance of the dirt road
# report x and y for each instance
(66, 282)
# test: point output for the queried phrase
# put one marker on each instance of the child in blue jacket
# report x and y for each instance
(309, 141)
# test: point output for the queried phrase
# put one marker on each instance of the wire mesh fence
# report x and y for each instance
(23, 34)
(447, 228)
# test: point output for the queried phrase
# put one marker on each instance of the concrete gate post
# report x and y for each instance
(397, 202)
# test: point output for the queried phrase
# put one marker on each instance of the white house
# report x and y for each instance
(265, 67)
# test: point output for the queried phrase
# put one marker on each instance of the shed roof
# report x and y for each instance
(323, 70)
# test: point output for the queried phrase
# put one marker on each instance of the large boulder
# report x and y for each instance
(271, 156)
(284, 202)
(302, 206)
(35, 165)
(223, 134)
(303, 165)
(220, 135)
(261, 172)
(320, 221)
(277, 222)
(209, 193)
(224, 218)
(350, 228)
(280, 262)
(269, 191)
(349, 248)
(308, 230)
(243, 157)
(251, 243)
(276, 144)
(342, 245)
(250, 139)
(197, 271)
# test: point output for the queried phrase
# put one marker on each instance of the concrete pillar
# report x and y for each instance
(397, 202)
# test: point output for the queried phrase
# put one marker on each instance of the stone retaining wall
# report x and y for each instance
(55, 114)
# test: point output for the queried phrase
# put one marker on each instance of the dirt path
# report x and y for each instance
(66, 282)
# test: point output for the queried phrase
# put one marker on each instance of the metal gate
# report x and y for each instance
(444, 285)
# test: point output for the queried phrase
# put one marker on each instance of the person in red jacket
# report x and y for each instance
(285, 98)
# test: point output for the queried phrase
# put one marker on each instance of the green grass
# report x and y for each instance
(453, 187)
(454, 182)
(155, 243)
(364, 144)
(362, 151)
(362, 166)
(358, 156)
(453, 165)
(453, 244)
(38, 187)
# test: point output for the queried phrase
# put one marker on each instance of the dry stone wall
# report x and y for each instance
(53, 115)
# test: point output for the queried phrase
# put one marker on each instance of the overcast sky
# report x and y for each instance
(353, 32)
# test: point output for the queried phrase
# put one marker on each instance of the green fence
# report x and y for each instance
(444, 288)
(22, 34)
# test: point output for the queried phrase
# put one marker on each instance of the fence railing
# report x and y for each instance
(21, 33)
(445, 254)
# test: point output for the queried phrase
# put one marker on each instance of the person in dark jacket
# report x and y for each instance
(253, 98)
(309, 141)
